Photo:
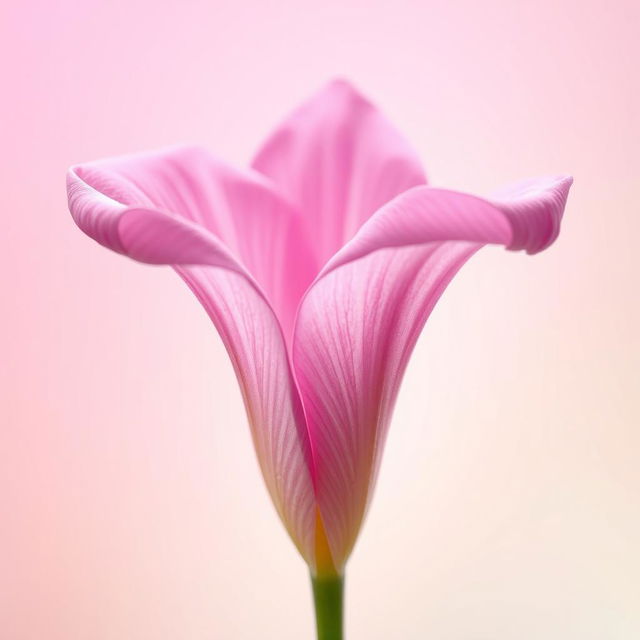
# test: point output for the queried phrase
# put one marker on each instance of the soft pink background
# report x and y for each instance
(131, 505)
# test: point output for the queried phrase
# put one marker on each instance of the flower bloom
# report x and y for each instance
(319, 266)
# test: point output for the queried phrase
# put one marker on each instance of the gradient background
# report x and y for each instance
(131, 505)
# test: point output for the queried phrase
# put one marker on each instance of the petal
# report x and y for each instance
(234, 301)
(240, 208)
(338, 159)
(359, 321)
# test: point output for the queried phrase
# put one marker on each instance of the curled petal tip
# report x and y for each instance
(534, 209)
(94, 212)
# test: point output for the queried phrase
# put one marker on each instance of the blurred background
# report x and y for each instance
(130, 501)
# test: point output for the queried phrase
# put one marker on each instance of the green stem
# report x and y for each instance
(328, 596)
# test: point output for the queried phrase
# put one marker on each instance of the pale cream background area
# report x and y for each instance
(508, 505)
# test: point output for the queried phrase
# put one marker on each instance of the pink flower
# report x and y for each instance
(319, 267)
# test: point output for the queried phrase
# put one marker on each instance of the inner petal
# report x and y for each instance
(338, 159)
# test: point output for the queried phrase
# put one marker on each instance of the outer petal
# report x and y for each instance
(338, 159)
(117, 207)
(240, 208)
(359, 321)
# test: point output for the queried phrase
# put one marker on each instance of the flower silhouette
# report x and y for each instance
(319, 266)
